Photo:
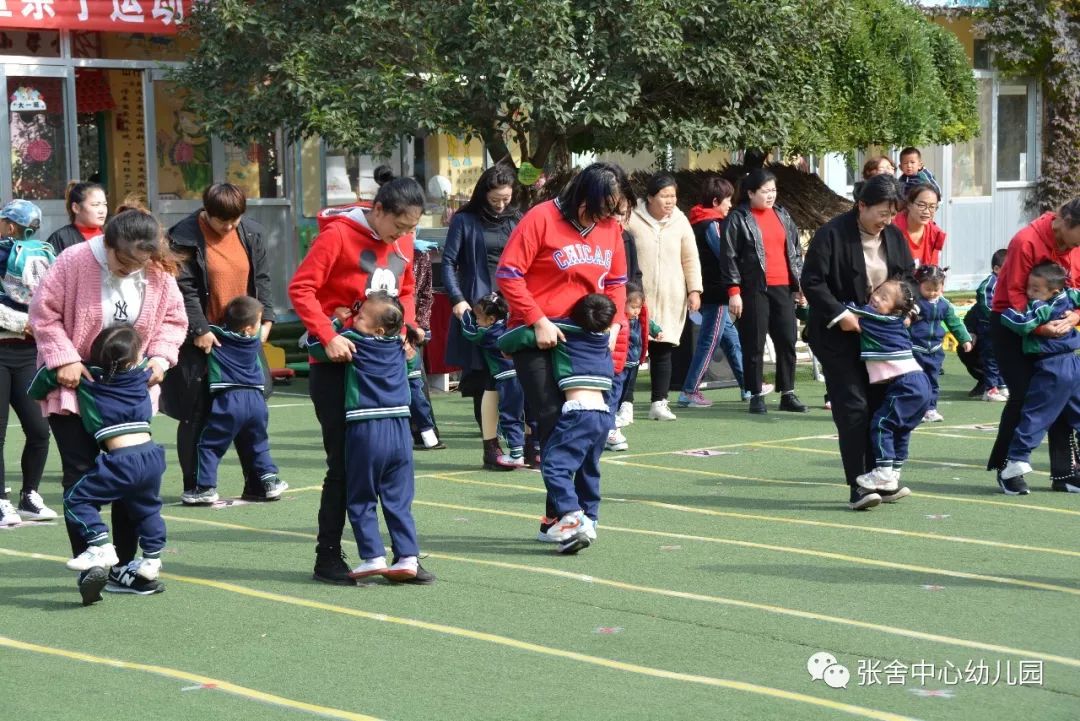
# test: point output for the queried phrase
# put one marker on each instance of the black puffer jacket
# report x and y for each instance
(742, 261)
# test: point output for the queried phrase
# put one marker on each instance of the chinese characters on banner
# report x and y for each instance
(157, 17)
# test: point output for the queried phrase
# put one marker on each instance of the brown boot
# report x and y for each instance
(492, 452)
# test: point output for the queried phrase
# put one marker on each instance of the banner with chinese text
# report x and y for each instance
(153, 17)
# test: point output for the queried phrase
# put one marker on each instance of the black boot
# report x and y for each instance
(492, 451)
(331, 567)
(757, 405)
(532, 451)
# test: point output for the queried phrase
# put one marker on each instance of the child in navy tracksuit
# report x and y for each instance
(984, 297)
(1055, 383)
(484, 325)
(928, 330)
(622, 385)
(570, 460)
(238, 410)
(378, 442)
(886, 348)
(115, 408)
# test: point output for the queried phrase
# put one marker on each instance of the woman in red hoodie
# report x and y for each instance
(1054, 237)
(716, 325)
(356, 252)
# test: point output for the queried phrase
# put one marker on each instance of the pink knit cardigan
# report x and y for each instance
(66, 316)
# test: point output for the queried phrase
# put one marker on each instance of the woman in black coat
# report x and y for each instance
(851, 254)
(760, 265)
(185, 394)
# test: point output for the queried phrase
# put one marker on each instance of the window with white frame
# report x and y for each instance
(1015, 135)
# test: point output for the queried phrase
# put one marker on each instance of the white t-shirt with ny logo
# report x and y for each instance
(121, 296)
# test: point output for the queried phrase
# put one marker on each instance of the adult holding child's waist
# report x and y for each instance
(1055, 237)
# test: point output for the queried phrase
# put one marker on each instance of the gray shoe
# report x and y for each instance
(199, 496)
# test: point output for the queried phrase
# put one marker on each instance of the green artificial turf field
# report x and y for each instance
(714, 580)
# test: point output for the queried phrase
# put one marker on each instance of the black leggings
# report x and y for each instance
(543, 399)
(78, 453)
(18, 363)
(326, 386)
(660, 369)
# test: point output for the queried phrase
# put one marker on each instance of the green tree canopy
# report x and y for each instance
(557, 75)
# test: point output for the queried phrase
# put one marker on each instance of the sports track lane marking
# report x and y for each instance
(719, 600)
(472, 635)
(930, 494)
(781, 519)
(726, 445)
(780, 549)
(216, 684)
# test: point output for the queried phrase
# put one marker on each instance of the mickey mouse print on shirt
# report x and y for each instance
(386, 279)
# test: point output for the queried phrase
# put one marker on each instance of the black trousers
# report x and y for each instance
(543, 399)
(768, 310)
(660, 369)
(326, 386)
(78, 451)
(854, 399)
(18, 363)
(1016, 369)
(187, 444)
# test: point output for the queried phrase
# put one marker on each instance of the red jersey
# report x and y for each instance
(345, 262)
(928, 250)
(774, 243)
(1033, 244)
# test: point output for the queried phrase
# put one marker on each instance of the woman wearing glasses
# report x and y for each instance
(916, 222)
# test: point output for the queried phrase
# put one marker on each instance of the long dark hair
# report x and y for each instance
(115, 349)
(134, 230)
(601, 187)
(499, 175)
(752, 182)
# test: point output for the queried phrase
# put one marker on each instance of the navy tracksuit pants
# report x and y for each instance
(379, 468)
(511, 411)
(985, 346)
(907, 398)
(932, 364)
(239, 415)
(132, 475)
(570, 461)
(1054, 392)
(420, 406)
(614, 396)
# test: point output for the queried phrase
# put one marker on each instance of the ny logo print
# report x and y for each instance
(121, 311)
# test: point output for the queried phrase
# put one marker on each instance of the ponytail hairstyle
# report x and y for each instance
(930, 274)
(909, 292)
(382, 175)
(75, 194)
(752, 182)
(116, 349)
(493, 306)
(133, 233)
(134, 201)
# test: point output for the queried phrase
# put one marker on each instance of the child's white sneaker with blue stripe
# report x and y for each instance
(103, 556)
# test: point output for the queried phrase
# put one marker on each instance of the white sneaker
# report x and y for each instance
(568, 526)
(94, 556)
(403, 570)
(32, 508)
(626, 413)
(616, 441)
(879, 479)
(429, 438)
(1004, 391)
(370, 567)
(507, 460)
(590, 528)
(995, 395)
(767, 388)
(1013, 469)
(659, 411)
(932, 416)
(8, 515)
(149, 568)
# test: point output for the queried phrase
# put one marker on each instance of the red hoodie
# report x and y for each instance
(699, 214)
(1033, 244)
(927, 252)
(345, 261)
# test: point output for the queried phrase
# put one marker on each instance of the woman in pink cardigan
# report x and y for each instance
(127, 276)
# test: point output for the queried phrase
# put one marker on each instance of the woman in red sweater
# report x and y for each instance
(561, 251)
(357, 252)
(916, 222)
(760, 265)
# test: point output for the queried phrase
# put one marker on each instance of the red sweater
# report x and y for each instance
(928, 251)
(774, 241)
(346, 260)
(550, 263)
(1033, 244)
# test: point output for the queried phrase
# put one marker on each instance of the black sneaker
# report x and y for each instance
(757, 405)
(894, 496)
(790, 402)
(578, 542)
(264, 490)
(331, 567)
(1015, 486)
(1066, 485)
(124, 579)
(423, 577)
(90, 584)
(862, 500)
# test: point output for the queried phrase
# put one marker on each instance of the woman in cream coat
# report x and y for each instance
(671, 275)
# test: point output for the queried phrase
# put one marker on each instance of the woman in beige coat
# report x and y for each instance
(671, 275)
